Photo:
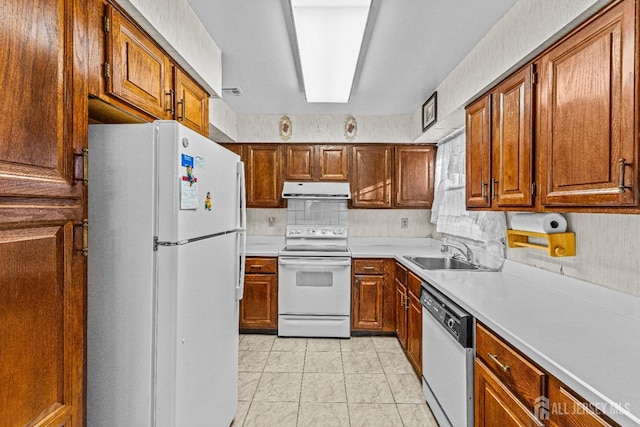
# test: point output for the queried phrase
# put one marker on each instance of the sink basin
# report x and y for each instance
(441, 263)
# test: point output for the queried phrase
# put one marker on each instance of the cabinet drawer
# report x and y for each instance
(414, 284)
(261, 265)
(401, 273)
(520, 376)
(368, 266)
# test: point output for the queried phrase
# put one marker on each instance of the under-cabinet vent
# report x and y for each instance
(232, 91)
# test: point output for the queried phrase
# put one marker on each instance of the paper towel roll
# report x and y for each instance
(539, 222)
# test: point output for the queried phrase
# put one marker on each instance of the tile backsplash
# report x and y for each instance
(317, 212)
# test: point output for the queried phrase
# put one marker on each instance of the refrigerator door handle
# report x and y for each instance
(242, 192)
(242, 249)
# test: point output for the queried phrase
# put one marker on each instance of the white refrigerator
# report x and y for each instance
(165, 274)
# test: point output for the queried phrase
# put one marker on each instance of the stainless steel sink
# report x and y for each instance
(429, 263)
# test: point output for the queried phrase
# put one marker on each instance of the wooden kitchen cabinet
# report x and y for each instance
(509, 389)
(131, 79)
(512, 177)
(371, 176)
(191, 103)
(414, 176)
(368, 295)
(333, 162)
(401, 302)
(414, 322)
(409, 315)
(367, 301)
(316, 162)
(42, 206)
(587, 135)
(478, 160)
(299, 162)
(235, 148)
(373, 296)
(264, 177)
(524, 379)
(495, 405)
(568, 409)
(259, 305)
(500, 145)
(136, 71)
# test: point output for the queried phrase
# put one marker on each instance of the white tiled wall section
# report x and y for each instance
(388, 223)
(317, 212)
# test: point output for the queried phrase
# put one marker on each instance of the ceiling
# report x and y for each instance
(413, 46)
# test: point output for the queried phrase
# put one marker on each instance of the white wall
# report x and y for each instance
(324, 128)
(223, 121)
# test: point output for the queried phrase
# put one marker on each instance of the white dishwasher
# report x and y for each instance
(447, 359)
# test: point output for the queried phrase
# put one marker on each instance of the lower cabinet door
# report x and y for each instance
(367, 302)
(401, 314)
(259, 306)
(414, 333)
(497, 406)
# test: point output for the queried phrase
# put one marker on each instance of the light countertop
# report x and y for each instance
(586, 335)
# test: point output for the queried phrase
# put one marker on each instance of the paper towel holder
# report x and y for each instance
(558, 244)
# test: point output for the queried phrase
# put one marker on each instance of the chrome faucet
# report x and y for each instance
(466, 252)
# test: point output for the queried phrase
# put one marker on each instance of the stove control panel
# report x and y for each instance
(317, 231)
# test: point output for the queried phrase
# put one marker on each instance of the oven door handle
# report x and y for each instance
(311, 261)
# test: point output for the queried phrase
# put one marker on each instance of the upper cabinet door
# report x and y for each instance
(192, 103)
(512, 141)
(371, 182)
(414, 175)
(140, 71)
(299, 162)
(333, 163)
(587, 137)
(264, 176)
(478, 162)
(39, 122)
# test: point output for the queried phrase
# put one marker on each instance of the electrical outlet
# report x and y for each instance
(404, 222)
(272, 220)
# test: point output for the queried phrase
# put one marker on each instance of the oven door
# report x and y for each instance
(314, 285)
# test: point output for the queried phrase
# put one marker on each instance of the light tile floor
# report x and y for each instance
(362, 381)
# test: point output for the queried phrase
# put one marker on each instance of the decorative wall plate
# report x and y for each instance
(285, 128)
(350, 128)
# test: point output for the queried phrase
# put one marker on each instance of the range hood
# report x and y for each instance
(316, 190)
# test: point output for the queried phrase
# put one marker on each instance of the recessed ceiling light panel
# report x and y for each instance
(329, 34)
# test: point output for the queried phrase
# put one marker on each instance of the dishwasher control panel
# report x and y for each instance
(457, 322)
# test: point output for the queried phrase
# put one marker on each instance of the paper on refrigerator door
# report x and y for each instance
(188, 184)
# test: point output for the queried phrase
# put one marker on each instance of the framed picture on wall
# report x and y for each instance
(429, 111)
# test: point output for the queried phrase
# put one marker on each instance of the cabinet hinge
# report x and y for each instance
(84, 155)
(533, 190)
(534, 75)
(107, 70)
(106, 24)
(85, 237)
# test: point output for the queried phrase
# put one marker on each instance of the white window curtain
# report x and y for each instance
(449, 213)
